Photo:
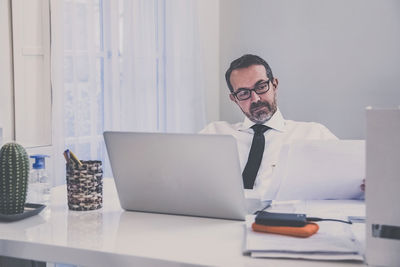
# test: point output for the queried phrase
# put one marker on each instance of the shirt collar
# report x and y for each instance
(276, 122)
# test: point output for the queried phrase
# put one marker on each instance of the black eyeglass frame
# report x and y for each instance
(266, 83)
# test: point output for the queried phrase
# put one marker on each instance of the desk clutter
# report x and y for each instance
(84, 183)
(279, 234)
(291, 224)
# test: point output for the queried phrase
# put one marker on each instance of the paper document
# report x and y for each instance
(319, 169)
(333, 241)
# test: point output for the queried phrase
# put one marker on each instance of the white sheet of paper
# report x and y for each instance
(320, 169)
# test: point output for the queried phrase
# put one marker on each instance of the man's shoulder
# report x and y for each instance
(220, 127)
(309, 129)
(305, 124)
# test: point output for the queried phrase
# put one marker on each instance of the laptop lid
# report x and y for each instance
(185, 174)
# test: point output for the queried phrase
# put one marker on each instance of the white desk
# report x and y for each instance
(113, 237)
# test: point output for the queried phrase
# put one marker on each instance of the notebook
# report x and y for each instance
(185, 174)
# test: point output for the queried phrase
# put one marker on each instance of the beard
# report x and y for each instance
(261, 111)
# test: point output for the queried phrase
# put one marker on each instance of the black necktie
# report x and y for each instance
(255, 156)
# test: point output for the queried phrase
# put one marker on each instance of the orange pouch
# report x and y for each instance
(305, 231)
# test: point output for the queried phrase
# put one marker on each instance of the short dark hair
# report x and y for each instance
(244, 62)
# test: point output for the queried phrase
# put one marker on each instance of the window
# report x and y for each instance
(84, 58)
(123, 65)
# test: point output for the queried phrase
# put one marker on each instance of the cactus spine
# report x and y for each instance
(14, 172)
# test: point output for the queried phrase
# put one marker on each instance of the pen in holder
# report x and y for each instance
(85, 185)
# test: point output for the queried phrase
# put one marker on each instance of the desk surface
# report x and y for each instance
(113, 237)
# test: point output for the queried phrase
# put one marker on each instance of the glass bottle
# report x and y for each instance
(39, 184)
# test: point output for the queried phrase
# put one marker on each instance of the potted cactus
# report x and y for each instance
(14, 172)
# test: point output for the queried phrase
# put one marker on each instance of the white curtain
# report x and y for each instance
(130, 65)
(161, 77)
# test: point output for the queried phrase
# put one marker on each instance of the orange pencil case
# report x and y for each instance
(305, 231)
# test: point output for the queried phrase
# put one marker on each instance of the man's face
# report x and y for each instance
(259, 108)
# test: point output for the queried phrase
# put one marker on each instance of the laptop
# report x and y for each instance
(183, 174)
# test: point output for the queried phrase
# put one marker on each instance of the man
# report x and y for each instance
(253, 88)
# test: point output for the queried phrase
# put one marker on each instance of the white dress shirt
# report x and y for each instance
(282, 132)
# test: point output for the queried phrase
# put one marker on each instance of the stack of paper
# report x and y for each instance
(333, 241)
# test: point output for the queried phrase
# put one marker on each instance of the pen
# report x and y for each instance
(75, 158)
(66, 155)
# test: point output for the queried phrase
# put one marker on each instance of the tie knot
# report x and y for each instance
(260, 128)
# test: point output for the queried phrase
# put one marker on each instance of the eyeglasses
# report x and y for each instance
(244, 94)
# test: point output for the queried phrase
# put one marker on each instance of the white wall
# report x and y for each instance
(332, 58)
(209, 32)
(6, 97)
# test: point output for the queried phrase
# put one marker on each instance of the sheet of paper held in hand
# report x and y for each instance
(331, 169)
